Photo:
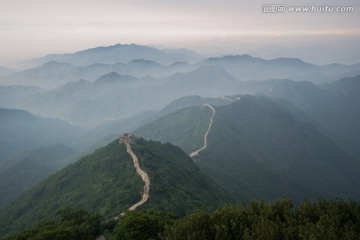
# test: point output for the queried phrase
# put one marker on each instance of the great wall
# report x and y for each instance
(129, 139)
(196, 153)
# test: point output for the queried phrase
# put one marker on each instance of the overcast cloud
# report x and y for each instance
(34, 28)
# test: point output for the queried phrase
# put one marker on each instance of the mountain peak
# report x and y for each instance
(117, 53)
(114, 77)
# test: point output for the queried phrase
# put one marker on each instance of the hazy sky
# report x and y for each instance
(31, 28)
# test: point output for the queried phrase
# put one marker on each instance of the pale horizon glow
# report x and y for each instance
(35, 28)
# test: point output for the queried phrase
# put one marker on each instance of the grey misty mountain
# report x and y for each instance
(57, 70)
(334, 107)
(26, 169)
(5, 71)
(119, 54)
(247, 68)
(11, 95)
(20, 131)
(47, 75)
(114, 78)
(54, 74)
(317, 54)
(261, 151)
(90, 104)
(337, 69)
(207, 81)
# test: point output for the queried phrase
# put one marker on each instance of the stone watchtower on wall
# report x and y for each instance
(127, 138)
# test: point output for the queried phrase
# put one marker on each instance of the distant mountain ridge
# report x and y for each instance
(137, 60)
(55, 70)
(248, 68)
(120, 53)
(20, 131)
(334, 106)
(52, 74)
(91, 103)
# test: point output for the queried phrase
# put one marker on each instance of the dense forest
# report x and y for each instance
(106, 182)
(322, 219)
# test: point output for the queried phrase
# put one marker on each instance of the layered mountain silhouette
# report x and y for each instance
(55, 70)
(20, 131)
(106, 182)
(54, 74)
(334, 107)
(10, 96)
(247, 68)
(120, 53)
(115, 96)
(259, 150)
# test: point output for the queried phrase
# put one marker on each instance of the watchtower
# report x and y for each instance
(127, 138)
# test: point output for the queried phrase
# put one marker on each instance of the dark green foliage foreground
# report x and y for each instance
(142, 225)
(72, 225)
(324, 219)
(321, 220)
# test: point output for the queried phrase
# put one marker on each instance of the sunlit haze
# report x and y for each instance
(35, 28)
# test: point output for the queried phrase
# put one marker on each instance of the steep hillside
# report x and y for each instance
(106, 182)
(347, 90)
(20, 131)
(259, 150)
(28, 168)
(334, 107)
(183, 128)
(272, 154)
(190, 101)
(104, 133)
